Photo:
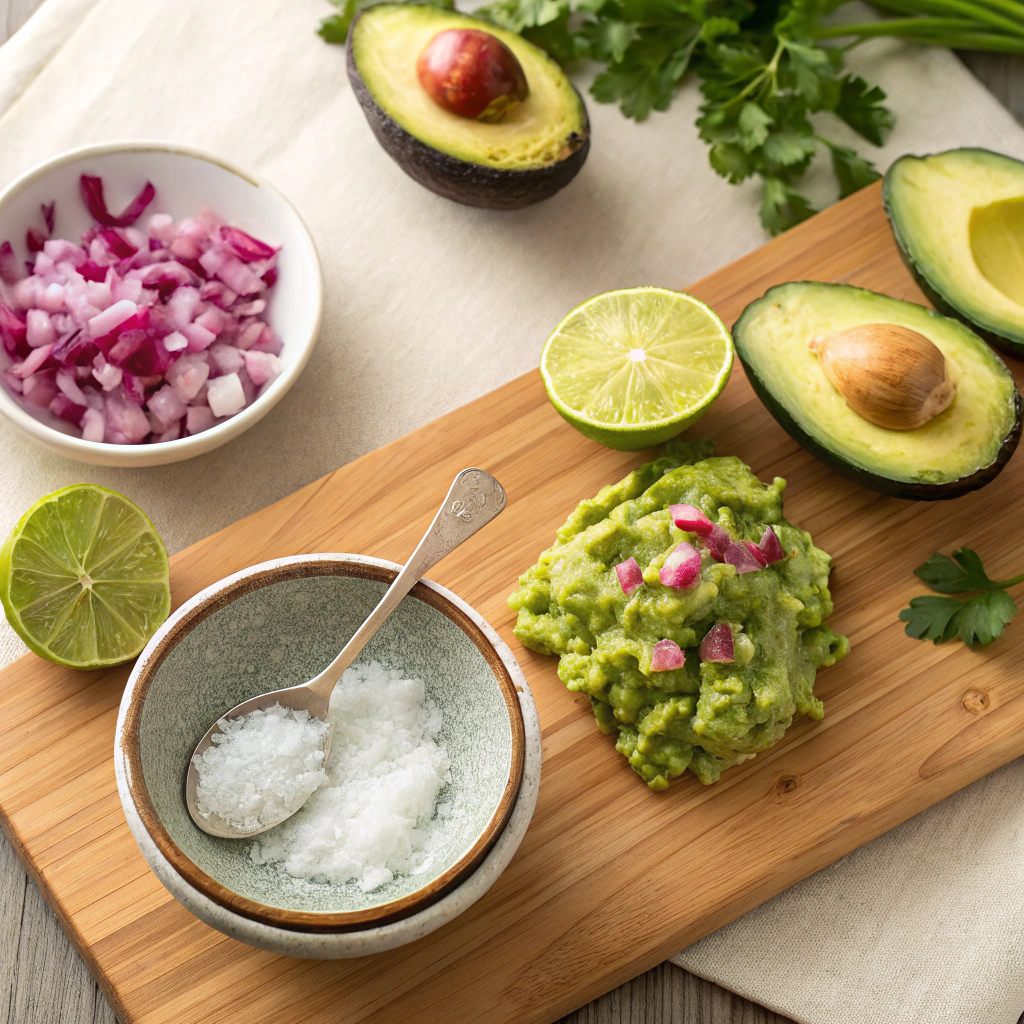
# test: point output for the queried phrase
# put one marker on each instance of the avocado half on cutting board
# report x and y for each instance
(536, 148)
(960, 449)
(958, 219)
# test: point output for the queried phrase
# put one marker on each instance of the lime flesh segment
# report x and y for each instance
(84, 577)
(633, 368)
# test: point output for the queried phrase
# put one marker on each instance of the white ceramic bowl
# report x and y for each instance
(185, 179)
(217, 642)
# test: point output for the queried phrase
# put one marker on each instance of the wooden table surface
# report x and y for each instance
(42, 980)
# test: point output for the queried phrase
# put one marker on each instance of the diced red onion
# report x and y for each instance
(32, 362)
(187, 375)
(117, 243)
(135, 313)
(630, 576)
(62, 406)
(34, 240)
(199, 418)
(11, 270)
(108, 375)
(739, 555)
(244, 246)
(39, 389)
(68, 384)
(771, 546)
(48, 210)
(225, 395)
(756, 552)
(718, 541)
(92, 425)
(666, 655)
(682, 567)
(92, 194)
(263, 367)
(689, 517)
(125, 419)
(718, 645)
(39, 329)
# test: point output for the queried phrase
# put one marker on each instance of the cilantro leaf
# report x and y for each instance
(977, 621)
(334, 28)
(860, 106)
(961, 574)
(852, 172)
(781, 207)
(753, 124)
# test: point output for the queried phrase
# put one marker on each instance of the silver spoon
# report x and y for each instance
(474, 499)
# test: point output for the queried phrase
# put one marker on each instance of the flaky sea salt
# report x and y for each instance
(377, 815)
(261, 767)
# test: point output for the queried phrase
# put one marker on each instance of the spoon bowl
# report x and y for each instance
(473, 500)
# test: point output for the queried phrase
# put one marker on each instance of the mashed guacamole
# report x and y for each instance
(704, 716)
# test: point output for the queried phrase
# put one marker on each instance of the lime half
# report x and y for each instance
(633, 368)
(84, 577)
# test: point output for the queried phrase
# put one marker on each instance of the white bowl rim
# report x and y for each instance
(233, 426)
(148, 845)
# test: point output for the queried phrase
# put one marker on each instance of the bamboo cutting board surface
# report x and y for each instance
(611, 878)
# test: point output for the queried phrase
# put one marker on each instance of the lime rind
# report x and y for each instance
(591, 379)
(84, 577)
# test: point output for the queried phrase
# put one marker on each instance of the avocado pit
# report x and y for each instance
(472, 73)
(890, 375)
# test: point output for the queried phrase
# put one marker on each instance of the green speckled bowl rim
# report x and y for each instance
(220, 595)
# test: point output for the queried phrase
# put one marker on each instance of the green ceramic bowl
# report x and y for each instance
(276, 625)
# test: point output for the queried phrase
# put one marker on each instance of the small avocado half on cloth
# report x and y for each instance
(703, 716)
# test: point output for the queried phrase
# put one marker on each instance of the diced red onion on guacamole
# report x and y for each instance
(718, 541)
(630, 576)
(758, 554)
(682, 567)
(717, 644)
(739, 555)
(689, 517)
(666, 655)
(771, 546)
(150, 333)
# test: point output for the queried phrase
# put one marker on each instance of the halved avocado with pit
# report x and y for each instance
(960, 450)
(958, 219)
(534, 151)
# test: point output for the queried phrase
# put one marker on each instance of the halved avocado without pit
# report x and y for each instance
(536, 149)
(959, 450)
(958, 219)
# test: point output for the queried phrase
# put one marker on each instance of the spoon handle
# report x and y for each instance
(473, 500)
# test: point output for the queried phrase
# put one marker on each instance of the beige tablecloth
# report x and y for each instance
(429, 305)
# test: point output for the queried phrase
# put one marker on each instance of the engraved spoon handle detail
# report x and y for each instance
(473, 500)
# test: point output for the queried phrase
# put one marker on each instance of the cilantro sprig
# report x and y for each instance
(977, 620)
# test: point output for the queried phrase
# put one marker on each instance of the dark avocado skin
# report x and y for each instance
(874, 481)
(1010, 346)
(464, 182)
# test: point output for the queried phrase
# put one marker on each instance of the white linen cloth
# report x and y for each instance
(430, 304)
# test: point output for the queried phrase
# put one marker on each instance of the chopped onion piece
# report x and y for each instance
(666, 655)
(682, 567)
(33, 362)
(199, 418)
(11, 270)
(756, 552)
(245, 246)
(175, 341)
(103, 323)
(93, 425)
(739, 556)
(262, 367)
(630, 576)
(92, 194)
(771, 546)
(717, 644)
(689, 517)
(718, 541)
(225, 395)
(39, 328)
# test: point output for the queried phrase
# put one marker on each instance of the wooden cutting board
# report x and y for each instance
(611, 878)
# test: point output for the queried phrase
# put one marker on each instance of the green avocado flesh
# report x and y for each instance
(976, 432)
(706, 716)
(958, 218)
(546, 127)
